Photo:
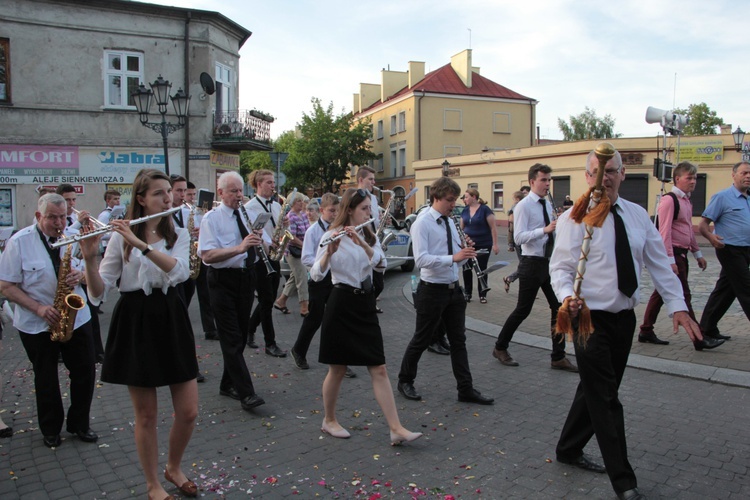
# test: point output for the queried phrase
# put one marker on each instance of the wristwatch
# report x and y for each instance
(147, 249)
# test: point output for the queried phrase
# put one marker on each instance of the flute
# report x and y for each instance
(342, 233)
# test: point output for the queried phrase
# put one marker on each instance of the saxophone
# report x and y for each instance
(66, 302)
(281, 236)
(384, 242)
(195, 261)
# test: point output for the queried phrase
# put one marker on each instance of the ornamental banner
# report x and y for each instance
(701, 151)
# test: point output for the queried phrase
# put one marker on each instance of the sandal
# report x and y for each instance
(483, 300)
(284, 309)
(507, 283)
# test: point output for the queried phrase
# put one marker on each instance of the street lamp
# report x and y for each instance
(739, 138)
(446, 168)
(160, 90)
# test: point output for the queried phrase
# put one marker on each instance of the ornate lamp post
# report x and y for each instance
(446, 168)
(739, 143)
(160, 89)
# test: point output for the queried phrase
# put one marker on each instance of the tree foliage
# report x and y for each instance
(587, 126)
(257, 160)
(702, 120)
(328, 145)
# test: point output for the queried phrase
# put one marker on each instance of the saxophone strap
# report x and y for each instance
(54, 254)
(179, 220)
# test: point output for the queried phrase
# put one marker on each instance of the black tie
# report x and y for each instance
(626, 279)
(178, 218)
(551, 236)
(243, 233)
(70, 221)
(448, 232)
(54, 254)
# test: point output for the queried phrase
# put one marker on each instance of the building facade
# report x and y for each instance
(68, 68)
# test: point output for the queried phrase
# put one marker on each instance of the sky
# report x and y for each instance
(615, 57)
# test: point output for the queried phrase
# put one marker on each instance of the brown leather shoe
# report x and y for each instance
(565, 365)
(504, 357)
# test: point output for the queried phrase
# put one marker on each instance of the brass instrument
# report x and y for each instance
(481, 275)
(385, 241)
(96, 222)
(261, 251)
(281, 236)
(66, 302)
(340, 234)
(193, 260)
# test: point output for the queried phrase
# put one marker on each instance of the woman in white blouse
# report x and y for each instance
(150, 342)
(350, 333)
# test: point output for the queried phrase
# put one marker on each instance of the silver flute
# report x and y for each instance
(261, 251)
(342, 233)
(481, 275)
(108, 228)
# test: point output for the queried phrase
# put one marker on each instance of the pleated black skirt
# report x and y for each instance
(150, 341)
(350, 333)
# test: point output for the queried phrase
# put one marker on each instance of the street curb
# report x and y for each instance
(725, 376)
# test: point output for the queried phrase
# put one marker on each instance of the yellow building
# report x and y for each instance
(497, 174)
(452, 111)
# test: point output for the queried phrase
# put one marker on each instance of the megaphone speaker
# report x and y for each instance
(654, 115)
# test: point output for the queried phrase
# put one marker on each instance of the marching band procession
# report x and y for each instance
(166, 248)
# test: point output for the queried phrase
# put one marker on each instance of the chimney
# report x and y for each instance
(416, 72)
(461, 64)
(369, 93)
(392, 82)
(725, 129)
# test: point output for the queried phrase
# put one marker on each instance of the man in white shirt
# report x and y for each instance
(534, 229)
(112, 199)
(611, 290)
(29, 268)
(366, 181)
(201, 285)
(439, 256)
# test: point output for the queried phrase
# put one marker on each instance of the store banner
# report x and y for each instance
(701, 151)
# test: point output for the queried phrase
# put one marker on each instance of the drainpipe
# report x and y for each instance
(187, 91)
(419, 125)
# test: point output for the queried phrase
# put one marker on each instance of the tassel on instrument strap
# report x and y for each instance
(565, 324)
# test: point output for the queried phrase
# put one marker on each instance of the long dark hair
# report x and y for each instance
(352, 199)
(141, 185)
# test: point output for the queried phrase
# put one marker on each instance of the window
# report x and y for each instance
(393, 125)
(699, 196)
(452, 119)
(402, 161)
(472, 185)
(122, 74)
(501, 123)
(497, 195)
(402, 121)
(380, 163)
(224, 100)
(452, 150)
(4, 70)
(380, 129)
(394, 162)
(372, 133)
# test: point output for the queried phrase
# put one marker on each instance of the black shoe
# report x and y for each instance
(408, 391)
(200, 378)
(6, 432)
(350, 373)
(52, 441)
(250, 402)
(230, 393)
(651, 338)
(273, 350)
(211, 336)
(718, 336)
(584, 463)
(251, 342)
(87, 436)
(467, 298)
(300, 361)
(707, 343)
(438, 349)
(633, 494)
(474, 396)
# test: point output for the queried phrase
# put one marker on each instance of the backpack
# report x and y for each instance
(676, 208)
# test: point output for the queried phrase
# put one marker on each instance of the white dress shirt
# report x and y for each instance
(528, 225)
(430, 244)
(349, 265)
(140, 273)
(310, 244)
(219, 229)
(185, 215)
(257, 205)
(26, 263)
(375, 210)
(599, 287)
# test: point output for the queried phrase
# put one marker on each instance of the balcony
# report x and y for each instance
(243, 130)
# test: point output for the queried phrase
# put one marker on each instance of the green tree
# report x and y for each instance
(328, 145)
(257, 160)
(702, 120)
(587, 126)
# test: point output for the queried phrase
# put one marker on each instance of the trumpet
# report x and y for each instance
(104, 229)
(340, 234)
(261, 251)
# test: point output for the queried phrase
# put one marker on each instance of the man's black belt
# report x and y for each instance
(445, 286)
(535, 257)
(355, 291)
(679, 251)
(232, 270)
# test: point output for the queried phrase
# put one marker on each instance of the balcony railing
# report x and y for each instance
(242, 125)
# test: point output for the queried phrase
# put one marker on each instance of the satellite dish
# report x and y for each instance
(207, 83)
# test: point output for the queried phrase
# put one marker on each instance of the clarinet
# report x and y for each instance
(481, 276)
(552, 203)
(261, 251)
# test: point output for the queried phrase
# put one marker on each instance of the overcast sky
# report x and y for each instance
(615, 57)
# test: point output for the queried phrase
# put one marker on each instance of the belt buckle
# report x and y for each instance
(358, 291)
(451, 286)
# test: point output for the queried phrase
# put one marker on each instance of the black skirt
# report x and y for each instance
(350, 333)
(150, 341)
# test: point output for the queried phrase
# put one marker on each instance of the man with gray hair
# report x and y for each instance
(29, 269)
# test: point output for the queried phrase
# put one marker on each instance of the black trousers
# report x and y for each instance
(482, 260)
(319, 291)
(78, 357)
(267, 285)
(96, 330)
(231, 299)
(533, 273)
(378, 282)
(204, 301)
(733, 282)
(596, 408)
(435, 304)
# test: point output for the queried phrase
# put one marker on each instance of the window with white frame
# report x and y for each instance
(393, 125)
(394, 162)
(402, 121)
(224, 98)
(380, 129)
(501, 123)
(123, 73)
(452, 150)
(452, 119)
(497, 195)
(402, 161)
(380, 163)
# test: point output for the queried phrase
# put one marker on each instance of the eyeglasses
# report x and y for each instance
(609, 172)
(361, 193)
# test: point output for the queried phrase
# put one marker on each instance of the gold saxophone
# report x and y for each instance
(66, 302)
(281, 236)
(195, 261)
